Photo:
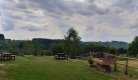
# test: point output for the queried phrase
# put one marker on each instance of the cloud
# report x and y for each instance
(29, 34)
(17, 15)
(104, 27)
(7, 25)
(93, 19)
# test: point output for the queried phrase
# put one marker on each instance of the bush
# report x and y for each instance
(13, 52)
(90, 61)
(26, 53)
(57, 49)
(21, 54)
(48, 52)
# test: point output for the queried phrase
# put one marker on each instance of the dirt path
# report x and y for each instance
(2, 64)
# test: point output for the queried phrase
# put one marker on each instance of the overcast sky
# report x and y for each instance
(95, 20)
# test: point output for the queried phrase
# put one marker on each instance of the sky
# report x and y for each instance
(94, 20)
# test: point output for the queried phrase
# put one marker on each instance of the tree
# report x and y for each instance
(133, 47)
(71, 42)
(113, 50)
(1, 37)
(90, 47)
(28, 47)
(57, 48)
(121, 51)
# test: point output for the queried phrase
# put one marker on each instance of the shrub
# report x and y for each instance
(26, 53)
(21, 54)
(90, 61)
(14, 52)
(48, 52)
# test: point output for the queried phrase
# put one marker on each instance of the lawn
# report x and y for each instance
(46, 68)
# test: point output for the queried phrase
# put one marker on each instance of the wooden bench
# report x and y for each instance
(61, 56)
(13, 57)
(79, 57)
(7, 56)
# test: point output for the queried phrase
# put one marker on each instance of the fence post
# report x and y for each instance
(115, 67)
(126, 66)
(82, 57)
(90, 53)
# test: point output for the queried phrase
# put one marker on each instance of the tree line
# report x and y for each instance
(70, 45)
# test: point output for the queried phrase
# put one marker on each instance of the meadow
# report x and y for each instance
(46, 68)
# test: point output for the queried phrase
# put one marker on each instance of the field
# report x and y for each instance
(46, 68)
(131, 71)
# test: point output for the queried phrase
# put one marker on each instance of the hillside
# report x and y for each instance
(116, 44)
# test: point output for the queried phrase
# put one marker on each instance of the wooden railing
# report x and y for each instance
(126, 63)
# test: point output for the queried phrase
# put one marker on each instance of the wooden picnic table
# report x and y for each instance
(61, 56)
(7, 56)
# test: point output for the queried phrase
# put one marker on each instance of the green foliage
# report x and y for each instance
(2, 51)
(20, 45)
(21, 54)
(71, 43)
(48, 52)
(2, 37)
(99, 48)
(90, 61)
(5, 45)
(122, 51)
(14, 52)
(28, 47)
(133, 47)
(89, 48)
(121, 59)
(45, 44)
(57, 48)
(116, 44)
(38, 49)
(113, 50)
(131, 71)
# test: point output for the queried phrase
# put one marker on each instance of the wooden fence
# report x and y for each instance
(126, 61)
(126, 64)
(86, 55)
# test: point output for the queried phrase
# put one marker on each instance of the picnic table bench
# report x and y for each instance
(79, 57)
(7, 56)
(61, 56)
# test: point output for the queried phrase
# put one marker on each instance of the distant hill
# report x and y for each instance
(116, 44)
(46, 43)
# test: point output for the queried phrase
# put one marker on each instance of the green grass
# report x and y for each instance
(86, 59)
(46, 68)
(131, 71)
(121, 59)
